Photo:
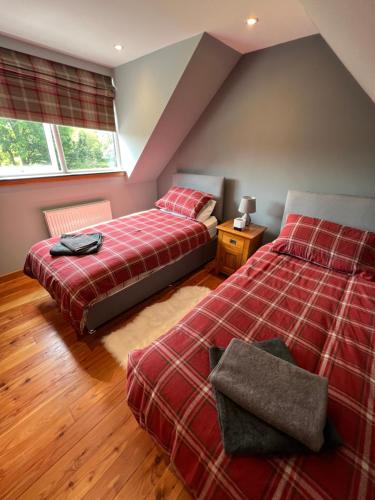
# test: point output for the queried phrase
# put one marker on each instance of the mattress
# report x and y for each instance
(327, 320)
(132, 246)
(211, 225)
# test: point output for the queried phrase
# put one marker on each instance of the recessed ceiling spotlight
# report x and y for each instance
(251, 21)
(118, 47)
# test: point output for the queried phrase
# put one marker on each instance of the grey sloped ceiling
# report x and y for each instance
(348, 26)
(161, 96)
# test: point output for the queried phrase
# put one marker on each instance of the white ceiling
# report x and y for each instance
(88, 29)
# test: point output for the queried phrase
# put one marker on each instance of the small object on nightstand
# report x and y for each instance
(235, 247)
(239, 224)
(247, 207)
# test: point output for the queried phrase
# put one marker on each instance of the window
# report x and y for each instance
(40, 149)
(87, 149)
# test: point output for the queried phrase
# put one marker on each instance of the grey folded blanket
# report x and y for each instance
(77, 244)
(245, 434)
(285, 396)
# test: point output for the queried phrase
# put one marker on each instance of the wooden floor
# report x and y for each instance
(65, 428)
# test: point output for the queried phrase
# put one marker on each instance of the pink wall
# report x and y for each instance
(22, 222)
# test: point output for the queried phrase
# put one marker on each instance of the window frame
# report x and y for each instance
(57, 157)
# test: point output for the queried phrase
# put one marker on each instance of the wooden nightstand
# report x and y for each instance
(235, 247)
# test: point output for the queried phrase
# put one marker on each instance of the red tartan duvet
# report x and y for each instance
(132, 246)
(327, 319)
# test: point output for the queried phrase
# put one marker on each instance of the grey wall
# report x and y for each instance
(143, 89)
(208, 67)
(160, 96)
(288, 117)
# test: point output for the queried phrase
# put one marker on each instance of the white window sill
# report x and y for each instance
(64, 175)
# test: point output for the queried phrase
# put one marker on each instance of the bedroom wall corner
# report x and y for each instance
(287, 117)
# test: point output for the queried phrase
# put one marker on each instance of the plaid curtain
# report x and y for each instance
(32, 88)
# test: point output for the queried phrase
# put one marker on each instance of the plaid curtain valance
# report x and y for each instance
(32, 88)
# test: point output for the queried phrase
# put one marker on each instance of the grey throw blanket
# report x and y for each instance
(245, 434)
(77, 244)
(285, 396)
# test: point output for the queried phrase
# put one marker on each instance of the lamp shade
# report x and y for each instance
(247, 205)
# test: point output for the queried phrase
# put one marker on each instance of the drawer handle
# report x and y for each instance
(233, 242)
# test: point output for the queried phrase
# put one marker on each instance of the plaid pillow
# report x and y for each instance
(340, 248)
(184, 201)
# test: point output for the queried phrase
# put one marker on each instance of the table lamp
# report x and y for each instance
(247, 207)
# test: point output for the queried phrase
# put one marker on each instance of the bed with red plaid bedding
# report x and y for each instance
(327, 319)
(132, 245)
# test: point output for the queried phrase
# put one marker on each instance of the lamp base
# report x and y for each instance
(247, 219)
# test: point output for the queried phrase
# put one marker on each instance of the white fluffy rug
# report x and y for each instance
(153, 322)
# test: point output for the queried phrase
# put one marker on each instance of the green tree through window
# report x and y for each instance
(28, 148)
(22, 143)
(84, 148)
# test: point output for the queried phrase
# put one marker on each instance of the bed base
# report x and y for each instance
(110, 307)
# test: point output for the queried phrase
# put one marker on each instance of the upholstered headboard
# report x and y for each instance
(208, 183)
(353, 211)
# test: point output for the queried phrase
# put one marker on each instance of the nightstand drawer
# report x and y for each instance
(232, 242)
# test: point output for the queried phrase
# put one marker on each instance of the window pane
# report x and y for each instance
(87, 149)
(24, 148)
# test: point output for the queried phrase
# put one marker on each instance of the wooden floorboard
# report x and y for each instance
(65, 428)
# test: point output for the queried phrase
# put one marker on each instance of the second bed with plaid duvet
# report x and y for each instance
(327, 320)
(132, 245)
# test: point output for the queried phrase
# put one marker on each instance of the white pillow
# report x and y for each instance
(206, 211)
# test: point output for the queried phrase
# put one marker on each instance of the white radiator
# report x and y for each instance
(69, 219)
